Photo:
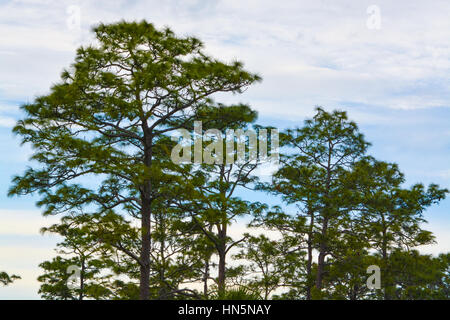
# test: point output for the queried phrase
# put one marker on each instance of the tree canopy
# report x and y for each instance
(136, 224)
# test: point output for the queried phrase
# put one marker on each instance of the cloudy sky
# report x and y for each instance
(387, 63)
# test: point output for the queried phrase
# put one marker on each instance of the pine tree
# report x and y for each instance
(387, 216)
(327, 145)
(87, 266)
(119, 99)
(211, 201)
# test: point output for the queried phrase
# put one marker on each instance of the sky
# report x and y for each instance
(387, 63)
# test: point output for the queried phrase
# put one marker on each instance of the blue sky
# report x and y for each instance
(393, 81)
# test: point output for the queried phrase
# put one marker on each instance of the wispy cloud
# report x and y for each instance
(306, 51)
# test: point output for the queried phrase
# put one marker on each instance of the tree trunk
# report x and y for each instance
(323, 245)
(163, 290)
(144, 283)
(310, 257)
(384, 254)
(83, 271)
(221, 278)
(308, 271)
(222, 255)
(205, 278)
(146, 212)
(322, 254)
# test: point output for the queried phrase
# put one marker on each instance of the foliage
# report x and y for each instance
(138, 225)
(6, 279)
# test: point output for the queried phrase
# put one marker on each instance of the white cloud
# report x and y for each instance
(23, 222)
(308, 52)
(7, 122)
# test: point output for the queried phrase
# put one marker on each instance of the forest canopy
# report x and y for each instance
(136, 225)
